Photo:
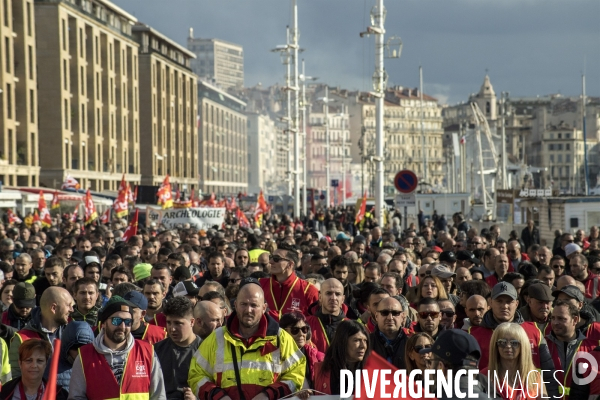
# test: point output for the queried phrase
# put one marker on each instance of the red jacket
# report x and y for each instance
(294, 294)
(591, 286)
(159, 320)
(313, 356)
(492, 280)
(154, 334)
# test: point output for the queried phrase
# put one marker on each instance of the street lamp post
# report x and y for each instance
(296, 116)
(327, 150)
(304, 78)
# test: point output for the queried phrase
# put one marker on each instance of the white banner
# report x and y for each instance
(198, 218)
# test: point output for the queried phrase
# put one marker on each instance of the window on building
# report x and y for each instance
(551, 157)
(550, 147)
(64, 34)
(6, 11)
(31, 106)
(29, 30)
(567, 146)
(30, 58)
(560, 158)
(67, 113)
(568, 158)
(7, 53)
(9, 100)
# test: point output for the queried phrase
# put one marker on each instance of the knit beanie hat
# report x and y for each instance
(115, 304)
(142, 271)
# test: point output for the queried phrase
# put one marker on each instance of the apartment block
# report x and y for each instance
(19, 156)
(88, 93)
(223, 141)
(262, 144)
(217, 60)
(169, 106)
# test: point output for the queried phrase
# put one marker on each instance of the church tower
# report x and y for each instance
(486, 99)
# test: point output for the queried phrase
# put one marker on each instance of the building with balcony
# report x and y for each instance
(218, 61)
(262, 143)
(88, 93)
(19, 139)
(169, 105)
(222, 141)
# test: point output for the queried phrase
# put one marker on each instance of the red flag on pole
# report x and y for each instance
(105, 218)
(55, 203)
(50, 393)
(13, 218)
(242, 219)
(132, 228)
(363, 209)
(45, 217)
(90, 208)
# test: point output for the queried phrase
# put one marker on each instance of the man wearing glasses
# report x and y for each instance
(430, 317)
(284, 290)
(116, 365)
(389, 338)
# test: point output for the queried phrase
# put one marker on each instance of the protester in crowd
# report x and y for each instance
(100, 372)
(413, 358)
(175, 353)
(18, 313)
(389, 339)
(431, 287)
(6, 293)
(75, 335)
(296, 325)
(155, 292)
(511, 357)
(350, 348)
(207, 318)
(33, 357)
(328, 314)
(86, 299)
(140, 329)
(249, 328)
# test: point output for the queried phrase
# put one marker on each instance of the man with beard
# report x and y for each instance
(86, 297)
(505, 301)
(19, 312)
(140, 329)
(207, 317)
(476, 309)
(326, 319)
(47, 323)
(339, 270)
(216, 270)
(429, 317)
(115, 365)
(175, 353)
(579, 271)
(539, 306)
(257, 338)
(155, 293)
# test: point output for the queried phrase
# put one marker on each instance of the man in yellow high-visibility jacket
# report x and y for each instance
(250, 357)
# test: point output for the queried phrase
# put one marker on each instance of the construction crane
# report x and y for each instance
(481, 124)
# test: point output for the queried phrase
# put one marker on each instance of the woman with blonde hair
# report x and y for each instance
(356, 273)
(511, 368)
(430, 287)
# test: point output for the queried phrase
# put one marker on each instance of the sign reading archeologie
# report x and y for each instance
(198, 218)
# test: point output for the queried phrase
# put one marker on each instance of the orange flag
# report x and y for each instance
(165, 198)
(90, 208)
(45, 217)
(362, 211)
(55, 203)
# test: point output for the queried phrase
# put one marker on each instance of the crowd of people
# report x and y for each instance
(281, 309)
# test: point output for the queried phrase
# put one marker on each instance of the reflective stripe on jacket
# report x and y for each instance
(100, 380)
(272, 364)
(154, 334)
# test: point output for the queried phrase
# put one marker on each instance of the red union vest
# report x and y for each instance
(100, 381)
(484, 336)
(26, 334)
(154, 334)
(159, 320)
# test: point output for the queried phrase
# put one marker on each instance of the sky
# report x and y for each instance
(528, 47)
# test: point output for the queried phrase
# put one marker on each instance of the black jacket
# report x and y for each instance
(224, 281)
(392, 351)
(9, 389)
(530, 237)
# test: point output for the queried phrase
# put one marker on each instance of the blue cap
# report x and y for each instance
(137, 299)
(342, 236)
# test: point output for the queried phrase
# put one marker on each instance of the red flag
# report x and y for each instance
(50, 393)
(233, 205)
(222, 203)
(74, 216)
(70, 183)
(36, 216)
(55, 203)
(135, 192)
(90, 208)
(377, 363)
(105, 218)
(211, 200)
(13, 218)
(45, 217)
(362, 211)
(165, 198)
(242, 219)
(132, 228)
(463, 140)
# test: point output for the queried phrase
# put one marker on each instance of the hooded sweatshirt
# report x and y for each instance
(116, 360)
(75, 335)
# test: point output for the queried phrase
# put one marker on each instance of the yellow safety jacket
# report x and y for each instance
(254, 254)
(5, 375)
(272, 363)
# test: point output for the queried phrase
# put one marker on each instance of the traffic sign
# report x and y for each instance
(335, 182)
(406, 200)
(406, 181)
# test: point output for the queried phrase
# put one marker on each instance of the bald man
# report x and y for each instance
(476, 308)
(47, 323)
(565, 280)
(208, 317)
(389, 339)
(254, 336)
(325, 321)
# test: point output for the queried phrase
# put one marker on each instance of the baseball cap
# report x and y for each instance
(441, 271)
(142, 271)
(540, 291)
(185, 288)
(569, 290)
(182, 272)
(137, 299)
(342, 237)
(249, 280)
(504, 289)
(571, 248)
(454, 346)
(465, 255)
(24, 295)
(87, 260)
(447, 256)
(77, 256)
